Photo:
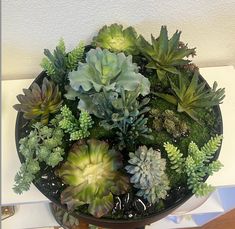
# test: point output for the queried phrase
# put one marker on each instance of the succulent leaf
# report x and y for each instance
(40, 102)
(91, 171)
(148, 174)
(117, 39)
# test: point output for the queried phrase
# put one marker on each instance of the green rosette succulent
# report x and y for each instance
(117, 39)
(107, 71)
(40, 102)
(148, 174)
(91, 171)
(165, 55)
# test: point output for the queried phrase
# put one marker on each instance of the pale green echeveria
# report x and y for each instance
(107, 71)
(117, 39)
(91, 171)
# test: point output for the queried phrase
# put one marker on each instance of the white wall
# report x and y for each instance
(29, 26)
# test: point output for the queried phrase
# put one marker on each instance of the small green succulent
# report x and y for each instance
(58, 64)
(77, 128)
(117, 39)
(165, 55)
(190, 95)
(121, 112)
(105, 71)
(197, 164)
(170, 122)
(91, 171)
(148, 174)
(40, 102)
(42, 144)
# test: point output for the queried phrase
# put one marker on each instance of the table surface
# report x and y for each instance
(225, 76)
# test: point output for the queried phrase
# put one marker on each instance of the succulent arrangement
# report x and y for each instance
(120, 124)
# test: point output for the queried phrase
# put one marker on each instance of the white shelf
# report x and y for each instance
(28, 216)
(10, 160)
(186, 216)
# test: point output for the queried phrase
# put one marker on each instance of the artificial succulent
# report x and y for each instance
(42, 144)
(105, 71)
(117, 39)
(121, 112)
(165, 55)
(190, 95)
(58, 64)
(168, 121)
(77, 128)
(197, 165)
(148, 174)
(91, 171)
(39, 103)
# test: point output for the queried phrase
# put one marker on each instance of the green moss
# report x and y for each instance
(200, 134)
(98, 132)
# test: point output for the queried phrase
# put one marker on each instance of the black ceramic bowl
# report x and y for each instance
(51, 186)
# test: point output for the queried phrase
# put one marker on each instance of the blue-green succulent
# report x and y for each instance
(148, 174)
(106, 71)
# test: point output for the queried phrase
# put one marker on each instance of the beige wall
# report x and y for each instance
(29, 26)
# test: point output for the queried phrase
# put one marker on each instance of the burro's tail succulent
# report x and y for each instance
(148, 174)
(40, 102)
(91, 171)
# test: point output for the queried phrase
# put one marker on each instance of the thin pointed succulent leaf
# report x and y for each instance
(169, 98)
(161, 75)
(179, 62)
(174, 42)
(151, 65)
(145, 47)
(183, 52)
(163, 43)
(171, 69)
(155, 44)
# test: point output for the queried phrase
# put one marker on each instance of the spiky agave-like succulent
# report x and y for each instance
(117, 39)
(91, 171)
(107, 71)
(190, 95)
(165, 55)
(40, 102)
(148, 169)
